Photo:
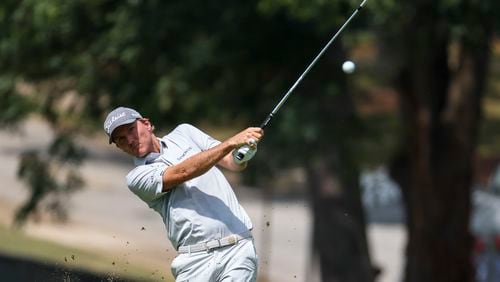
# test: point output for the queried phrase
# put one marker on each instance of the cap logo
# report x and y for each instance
(113, 119)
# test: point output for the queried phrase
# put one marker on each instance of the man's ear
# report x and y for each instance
(147, 123)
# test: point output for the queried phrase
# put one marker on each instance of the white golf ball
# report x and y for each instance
(348, 67)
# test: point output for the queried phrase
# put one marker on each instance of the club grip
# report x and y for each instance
(266, 121)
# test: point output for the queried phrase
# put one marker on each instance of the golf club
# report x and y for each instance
(242, 151)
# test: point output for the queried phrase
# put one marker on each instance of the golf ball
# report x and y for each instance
(348, 67)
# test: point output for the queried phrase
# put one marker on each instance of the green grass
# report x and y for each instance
(17, 244)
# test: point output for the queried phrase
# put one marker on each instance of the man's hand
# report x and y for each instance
(246, 140)
(250, 136)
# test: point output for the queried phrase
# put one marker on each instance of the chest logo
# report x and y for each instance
(184, 153)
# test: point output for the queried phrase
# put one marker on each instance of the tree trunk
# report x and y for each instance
(441, 109)
(339, 226)
(339, 233)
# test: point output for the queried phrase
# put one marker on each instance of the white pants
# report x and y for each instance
(232, 263)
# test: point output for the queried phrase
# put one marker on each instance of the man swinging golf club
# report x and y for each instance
(178, 177)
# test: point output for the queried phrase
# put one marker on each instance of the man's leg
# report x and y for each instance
(240, 262)
(194, 267)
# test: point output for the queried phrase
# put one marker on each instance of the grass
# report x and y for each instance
(16, 244)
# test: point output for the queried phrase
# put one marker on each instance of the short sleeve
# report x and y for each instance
(146, 181)
(200, 138)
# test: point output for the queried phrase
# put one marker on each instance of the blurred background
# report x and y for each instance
(388, 173)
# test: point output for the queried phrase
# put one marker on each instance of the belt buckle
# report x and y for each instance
(232, 240)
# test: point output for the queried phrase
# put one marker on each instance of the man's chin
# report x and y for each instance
(136, 153)
(140, 154)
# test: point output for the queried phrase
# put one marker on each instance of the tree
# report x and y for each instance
(440, 74)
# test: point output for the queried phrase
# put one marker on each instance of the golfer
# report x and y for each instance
(178, 177)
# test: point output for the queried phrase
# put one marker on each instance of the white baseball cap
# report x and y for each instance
(118, 117)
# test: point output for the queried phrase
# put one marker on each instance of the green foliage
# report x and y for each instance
(327, 13)
(13, 107)
(169, 58)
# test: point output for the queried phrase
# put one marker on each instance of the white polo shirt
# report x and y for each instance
(201, 209)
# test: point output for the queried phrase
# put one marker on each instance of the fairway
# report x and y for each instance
(14, 244)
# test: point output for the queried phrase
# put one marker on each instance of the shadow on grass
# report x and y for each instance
(23, 269)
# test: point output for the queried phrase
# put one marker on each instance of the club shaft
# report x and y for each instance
(289, 92)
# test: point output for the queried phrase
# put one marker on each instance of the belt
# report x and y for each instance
(214, 244)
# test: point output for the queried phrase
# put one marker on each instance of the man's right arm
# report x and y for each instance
(194, 166)
(200, 163)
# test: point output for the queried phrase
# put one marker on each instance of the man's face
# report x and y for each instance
(135, 138)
